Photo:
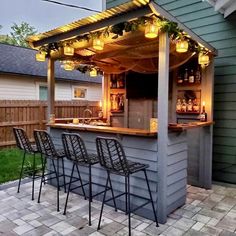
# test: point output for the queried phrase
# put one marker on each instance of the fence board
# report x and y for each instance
(31, 114)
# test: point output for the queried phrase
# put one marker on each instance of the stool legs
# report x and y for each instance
(150, 194)
(129, 214)
(21, 172)
(90, 193)
(33, 177)
(63, 172)
(42, 178)
(57, 177)
(82, 186)
(67, 196)
(103, 201)
(112, 192)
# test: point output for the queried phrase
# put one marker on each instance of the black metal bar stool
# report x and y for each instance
(23, 143)
(76, 152)
(112, 158)
(47, 149)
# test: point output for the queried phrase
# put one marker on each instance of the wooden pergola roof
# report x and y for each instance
(124, 12)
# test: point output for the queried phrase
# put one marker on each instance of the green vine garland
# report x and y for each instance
(117, 30)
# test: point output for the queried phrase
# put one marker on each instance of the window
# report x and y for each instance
(43, 92)
(79, 93)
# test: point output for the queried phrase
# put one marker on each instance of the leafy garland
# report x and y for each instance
(118, 30)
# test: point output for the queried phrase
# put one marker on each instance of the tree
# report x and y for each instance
(19, 34)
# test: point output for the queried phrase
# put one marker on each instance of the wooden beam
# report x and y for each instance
(160, 11)
(95, 26)
(51, 87)
(162, 108)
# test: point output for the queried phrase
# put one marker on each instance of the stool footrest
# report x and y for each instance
(135, 195)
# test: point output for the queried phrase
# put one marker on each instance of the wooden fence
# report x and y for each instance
(31, 115)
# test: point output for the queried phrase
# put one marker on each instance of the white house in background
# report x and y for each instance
(22, 78)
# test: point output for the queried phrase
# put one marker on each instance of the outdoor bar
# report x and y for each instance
(157, 96)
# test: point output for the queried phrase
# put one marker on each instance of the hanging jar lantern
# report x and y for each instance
(40, 56)
(68, 50)
(68, 65)
(151, 30)
(182, 46)
(93, 72)
(98, 44)
(203, 59)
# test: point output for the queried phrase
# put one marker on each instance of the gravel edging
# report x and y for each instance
(14, 183)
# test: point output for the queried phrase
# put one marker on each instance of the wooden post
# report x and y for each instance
(163, 91)
(51, 88)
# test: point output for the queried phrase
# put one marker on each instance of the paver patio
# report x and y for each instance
(207, 212)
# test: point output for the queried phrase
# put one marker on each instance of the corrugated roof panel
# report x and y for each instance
(129, 6)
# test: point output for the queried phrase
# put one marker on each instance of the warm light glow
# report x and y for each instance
(68, 66)
(68, 50)
(182, 46)
(151, 30)
(93, 72)
(203, 59)
(98, 44)
(203, 103)
(100, 104)
(40, 56)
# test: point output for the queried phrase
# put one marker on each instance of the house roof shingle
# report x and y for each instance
(20, 60)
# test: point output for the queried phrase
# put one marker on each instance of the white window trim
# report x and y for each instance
(38, 84)
(80, 87)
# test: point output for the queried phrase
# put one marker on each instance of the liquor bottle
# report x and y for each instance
(195, 105)
(198, 76)
(178, 105)
(112, 102)
(186, 76)
(184, 106)
(190, 106)
(203, 115)
(191, 77)
(180, 79)
(121, 102)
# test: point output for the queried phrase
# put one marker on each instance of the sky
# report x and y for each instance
(42, 15)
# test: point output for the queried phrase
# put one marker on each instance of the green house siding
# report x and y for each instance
(211, 26)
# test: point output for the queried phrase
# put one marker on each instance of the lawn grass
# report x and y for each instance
(10, 164)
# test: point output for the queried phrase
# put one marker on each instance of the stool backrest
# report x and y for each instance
(74, 147)
(22, 140)
(111, 155)
(44, 143)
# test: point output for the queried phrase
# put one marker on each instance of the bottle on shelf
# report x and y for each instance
(121, 102)
(195, 106)
(184, 106)
(198, 76)
(186, 76)
(113, 83)
(120, 83)
(190, 106)
(178, 105)
(203, 115)
(191, 78)
(180, 79)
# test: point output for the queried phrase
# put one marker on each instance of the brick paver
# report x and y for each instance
(206, 212)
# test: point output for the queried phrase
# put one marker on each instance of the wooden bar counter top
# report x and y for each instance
(128, 131)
